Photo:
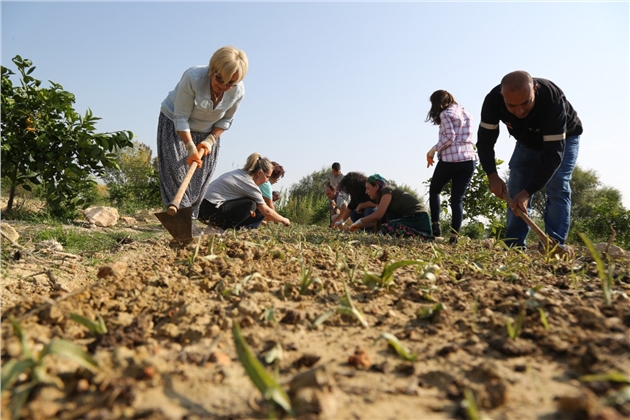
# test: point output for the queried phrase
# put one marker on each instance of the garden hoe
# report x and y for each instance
(549, 244)
(179, 221)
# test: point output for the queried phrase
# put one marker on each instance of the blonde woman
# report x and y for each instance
(234, 200)
(192, 118)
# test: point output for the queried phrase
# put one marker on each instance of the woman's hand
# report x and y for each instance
(430, 156)
(192, 154)
(356, 225)
(205, 147)
(286, 222)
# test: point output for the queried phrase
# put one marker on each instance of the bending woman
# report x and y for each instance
(457, 156)
(234, 200)
(353, 185)
(192, 118)
(266, 187)
(404, 214)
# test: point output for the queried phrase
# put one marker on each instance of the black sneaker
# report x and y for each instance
(453, 240)
(436, 229)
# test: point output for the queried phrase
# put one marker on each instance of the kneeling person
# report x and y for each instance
(234, 200)
(404, 214)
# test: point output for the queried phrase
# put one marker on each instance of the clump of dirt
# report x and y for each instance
(516, 330)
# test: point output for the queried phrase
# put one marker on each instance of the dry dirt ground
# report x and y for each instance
(169, 352)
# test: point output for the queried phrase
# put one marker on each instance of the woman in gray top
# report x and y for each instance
(234, 199)
(192, 118)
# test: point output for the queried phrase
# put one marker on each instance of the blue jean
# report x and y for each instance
(355, 215)
(558, 206)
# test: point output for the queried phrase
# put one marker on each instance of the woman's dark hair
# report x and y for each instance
(278, 170)
(375, 180)
(353, 184)
(440, 100)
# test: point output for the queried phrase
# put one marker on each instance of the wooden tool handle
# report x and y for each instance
(173, 207)
(542, 235)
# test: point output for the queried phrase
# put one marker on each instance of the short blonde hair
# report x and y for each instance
(228, 61)
(255, 162)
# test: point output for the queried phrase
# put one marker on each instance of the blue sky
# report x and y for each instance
(330, 81)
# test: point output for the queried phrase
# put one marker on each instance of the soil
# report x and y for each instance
(170, 309)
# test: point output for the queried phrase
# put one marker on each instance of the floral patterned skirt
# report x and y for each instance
(417, 225)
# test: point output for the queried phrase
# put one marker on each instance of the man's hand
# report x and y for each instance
(286, 222)
(520, 202)
(497, 185)
(192, 154)
(205, 147)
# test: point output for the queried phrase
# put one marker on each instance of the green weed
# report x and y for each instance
(606, 277)
(386, 278)
(266, 384)
(32, 365)
(95, 327)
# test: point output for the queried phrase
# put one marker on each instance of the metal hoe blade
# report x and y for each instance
(179, 225)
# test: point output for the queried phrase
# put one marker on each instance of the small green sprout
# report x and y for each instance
(95, 327)
(431, 311)
(400, 349)
(347, 306)
(606, 277)
(266, 384)
(470, 405)
(514, 330)
(386, 278)
(306, 279)
(33, 366)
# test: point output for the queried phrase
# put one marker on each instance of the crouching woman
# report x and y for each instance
(404, 215)
(234, 200)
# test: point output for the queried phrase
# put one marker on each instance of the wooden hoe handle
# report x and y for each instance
(542, 235)
(173, 207)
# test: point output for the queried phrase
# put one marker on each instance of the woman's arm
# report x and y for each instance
(270, 214)
(447, 130)
(343, 215)
(383, 204)
(365, 205)
(269, 202)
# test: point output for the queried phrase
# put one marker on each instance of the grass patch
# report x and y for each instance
(87, 243)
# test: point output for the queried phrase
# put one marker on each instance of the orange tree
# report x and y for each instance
(45, 142)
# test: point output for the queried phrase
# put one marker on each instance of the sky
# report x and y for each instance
(344, 82)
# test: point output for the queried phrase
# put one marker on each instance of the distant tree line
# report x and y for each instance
(53, 153)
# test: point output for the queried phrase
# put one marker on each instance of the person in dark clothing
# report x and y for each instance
(353, 184)
(403, 214)
(547, 132)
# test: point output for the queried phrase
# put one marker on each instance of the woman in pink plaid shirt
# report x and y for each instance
(457, 158)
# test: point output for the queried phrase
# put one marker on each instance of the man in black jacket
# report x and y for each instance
(547, 132)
